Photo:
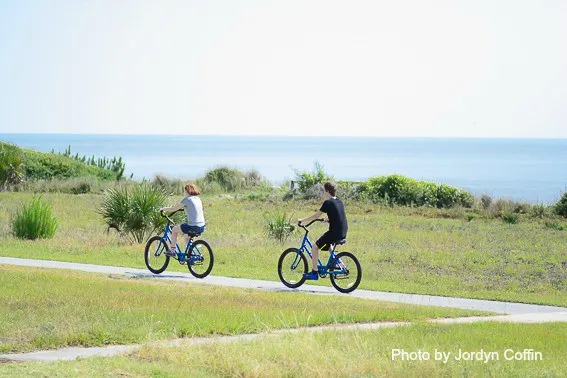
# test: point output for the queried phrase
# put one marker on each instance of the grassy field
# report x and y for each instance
(344, 354)
(412, 250)
(44, 309)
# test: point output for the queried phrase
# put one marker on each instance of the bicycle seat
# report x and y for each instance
(340, 242)
(194, 235)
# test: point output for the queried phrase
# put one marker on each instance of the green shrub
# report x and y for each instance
(81, 188)
(279, 226)
(404, 191)
(11, 165)
(307, 180)
(554, 226)
(34, 221)
(561, 206)
(134, 212)
(228, 179)
(509, 217)
(538, 211)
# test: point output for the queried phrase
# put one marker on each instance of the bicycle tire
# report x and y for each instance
(150, 252)
(298, 271)
(205, 249)
(351, 285)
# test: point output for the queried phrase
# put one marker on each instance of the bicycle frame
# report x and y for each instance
(190, 255)
(307, 246)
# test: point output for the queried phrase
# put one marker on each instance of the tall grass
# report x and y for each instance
(34, 220)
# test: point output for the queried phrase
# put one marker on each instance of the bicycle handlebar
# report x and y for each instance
(167, 217)
(304, 226)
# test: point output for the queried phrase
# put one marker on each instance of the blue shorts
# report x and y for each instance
(191, 230)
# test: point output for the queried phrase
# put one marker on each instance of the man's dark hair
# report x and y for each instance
(331, 188)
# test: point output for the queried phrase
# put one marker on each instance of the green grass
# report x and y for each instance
(44, 309)
(413, 250)
(342, 354)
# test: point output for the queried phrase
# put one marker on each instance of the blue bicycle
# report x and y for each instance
(342, 268)
(198, 254)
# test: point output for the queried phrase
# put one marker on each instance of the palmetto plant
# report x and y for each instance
(134, 212)
(279, 226)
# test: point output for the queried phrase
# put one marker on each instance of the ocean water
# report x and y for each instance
(533, 170)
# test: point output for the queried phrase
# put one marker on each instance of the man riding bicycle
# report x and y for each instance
(338, 226)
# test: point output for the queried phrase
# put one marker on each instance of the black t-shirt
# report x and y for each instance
(335, 210)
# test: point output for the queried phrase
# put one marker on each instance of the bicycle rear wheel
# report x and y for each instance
(154, 255)
(201, 259)
(349, 272)
(291, 267)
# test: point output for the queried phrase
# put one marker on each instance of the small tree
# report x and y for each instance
(11, 165)
(561, 206)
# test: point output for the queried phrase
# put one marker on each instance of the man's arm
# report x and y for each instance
(312, 217)
(175, 207)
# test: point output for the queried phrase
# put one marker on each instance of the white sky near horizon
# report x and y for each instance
(326, 67)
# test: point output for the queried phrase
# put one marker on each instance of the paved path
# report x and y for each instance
(427, 300)
(521, 313)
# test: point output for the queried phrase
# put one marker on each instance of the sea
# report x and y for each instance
(531, 170)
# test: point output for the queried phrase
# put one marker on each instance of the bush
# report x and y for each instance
(486, 200)
(82, 188)
(279, 226)
(134, 213)
(253, 178)
(34, 221)
(561, 206)
(403, 191)
(169, 185)
(307, 180)
(538, 211)
(511, 218)
(315, 191)
(228, 179)
(554, 226)
(11, 165)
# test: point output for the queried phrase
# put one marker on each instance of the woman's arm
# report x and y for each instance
(175, 207)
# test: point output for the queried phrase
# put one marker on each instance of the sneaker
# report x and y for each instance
(171, 253)
(313, 275)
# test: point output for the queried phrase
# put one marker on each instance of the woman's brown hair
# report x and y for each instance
(192, 189)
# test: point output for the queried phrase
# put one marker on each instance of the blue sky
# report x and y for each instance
(376, 68)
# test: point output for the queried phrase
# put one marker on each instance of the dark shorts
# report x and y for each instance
(326, 240)
(191, 230)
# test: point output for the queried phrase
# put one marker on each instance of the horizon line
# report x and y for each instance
(294, 136)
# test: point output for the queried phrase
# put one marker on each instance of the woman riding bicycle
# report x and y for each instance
(195, 217)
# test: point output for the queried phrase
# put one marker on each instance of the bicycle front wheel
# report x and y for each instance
(291, 267)
(201, 259)
(346, 272)
(154, 255)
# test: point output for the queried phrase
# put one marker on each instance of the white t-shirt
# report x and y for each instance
(194, 210)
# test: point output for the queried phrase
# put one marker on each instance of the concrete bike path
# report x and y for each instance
(416, 299)
(73, 353)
